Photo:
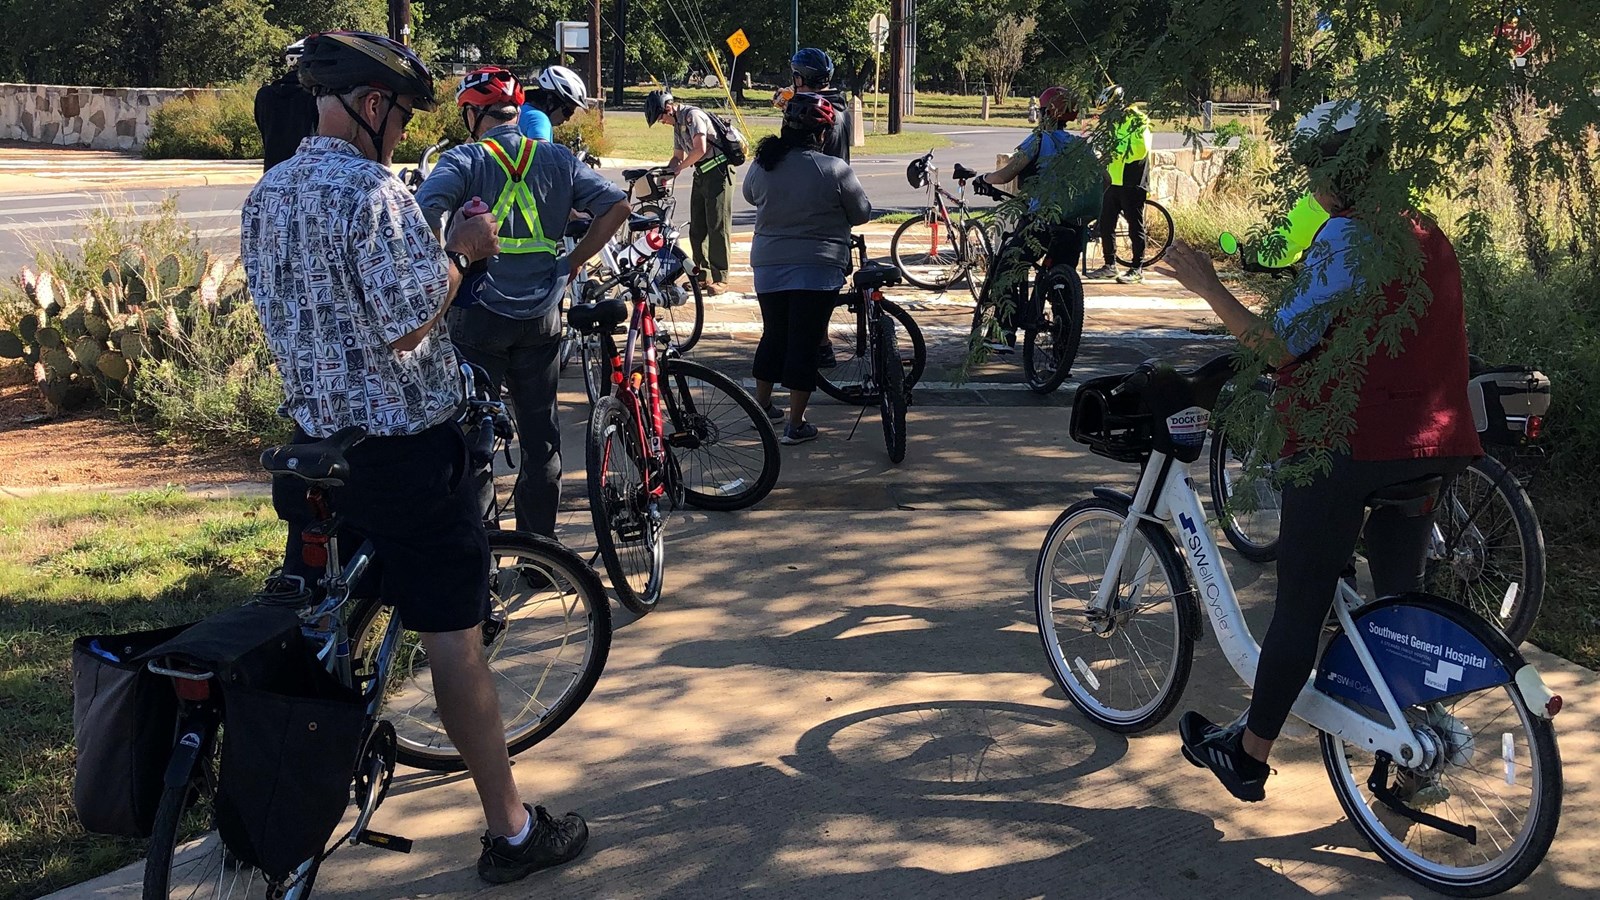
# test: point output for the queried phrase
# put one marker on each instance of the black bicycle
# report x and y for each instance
(1033, 286)
(881, 364)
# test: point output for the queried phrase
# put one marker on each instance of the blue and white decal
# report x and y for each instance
(1421, 654)
(1188, 427)
(1208, 568)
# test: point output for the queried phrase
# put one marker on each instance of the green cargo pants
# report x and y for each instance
(711, 221)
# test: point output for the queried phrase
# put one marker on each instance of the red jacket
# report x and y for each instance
(1413, 404)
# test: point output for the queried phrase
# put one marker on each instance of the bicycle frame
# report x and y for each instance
(648, 432)
(1166, 496)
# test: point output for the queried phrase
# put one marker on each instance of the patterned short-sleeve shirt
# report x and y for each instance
(341, 264)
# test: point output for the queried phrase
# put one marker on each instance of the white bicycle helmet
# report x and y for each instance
(564, 83)
(1320, 134)
(1109, 95)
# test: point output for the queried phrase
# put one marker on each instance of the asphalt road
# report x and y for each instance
(30, 221)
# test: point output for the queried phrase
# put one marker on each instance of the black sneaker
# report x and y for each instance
(551, 843)
(1210, 746)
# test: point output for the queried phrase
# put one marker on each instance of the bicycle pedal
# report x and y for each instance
(384, 841)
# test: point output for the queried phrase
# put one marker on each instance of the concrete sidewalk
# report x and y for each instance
(843, 695)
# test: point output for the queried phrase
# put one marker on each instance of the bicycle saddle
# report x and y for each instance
(320, 462)
(1413, 498)
(962, 173)
(577, 228)
(876, 275)
(590, 318)
(644, 221)
(634, 174)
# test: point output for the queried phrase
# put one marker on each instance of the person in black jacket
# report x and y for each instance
(285, 111)
(813, 74)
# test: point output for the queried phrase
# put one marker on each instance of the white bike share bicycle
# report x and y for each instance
(1435, 732)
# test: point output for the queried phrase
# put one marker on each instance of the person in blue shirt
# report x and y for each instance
(508, 319)
(557, 95)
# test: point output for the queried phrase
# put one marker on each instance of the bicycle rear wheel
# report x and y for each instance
(1124, 668)
(546, 641)
(848, 381)
(726, 447)
(979, 250)
(1497, 769)
(1250, 522)
(680, 322)
(596, 368)
(892, 391)
(928, 252)
(1158, 232)
(1492, 557)
(1050, 345)
(628, 521)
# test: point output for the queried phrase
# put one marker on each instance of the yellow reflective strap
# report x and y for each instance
(516, 200)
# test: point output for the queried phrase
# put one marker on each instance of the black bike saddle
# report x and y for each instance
(320, 462)
(644, 221)
(962, 173)
(876, 275)
(1413, 498)
(590, 318)
(634, 174)
(577, 228)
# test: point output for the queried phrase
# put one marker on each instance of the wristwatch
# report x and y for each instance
(462, 261)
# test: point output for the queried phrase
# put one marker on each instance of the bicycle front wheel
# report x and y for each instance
(891, 391)
(680, 320)
(726, 447)
(1050, 344)
(850, 379)
(628, 521)
(1497, 770)
(1489, 551)
(546, 641)
(979, 250)
(1158, 232)
(928, 252)
(1125, 667)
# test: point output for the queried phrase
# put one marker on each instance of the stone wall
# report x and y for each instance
(70, 116)
(1176, 176)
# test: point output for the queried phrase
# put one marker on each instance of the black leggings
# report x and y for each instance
(1321, 523)
(793, 325)
(1126, 198)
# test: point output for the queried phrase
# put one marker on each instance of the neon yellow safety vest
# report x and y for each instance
(1132, 137)
(516, 201)
(1305, 220)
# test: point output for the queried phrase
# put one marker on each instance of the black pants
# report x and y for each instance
(1321, 523)
(793, 324)
(1127, 199)
(521, 354)
(1062, 243)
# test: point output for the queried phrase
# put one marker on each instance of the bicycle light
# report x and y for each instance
(1552, 706)
(1534, 428)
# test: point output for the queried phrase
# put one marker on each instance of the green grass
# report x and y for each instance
(632, 139)
(82, 563)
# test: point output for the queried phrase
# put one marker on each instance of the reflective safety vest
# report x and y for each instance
(516, 201)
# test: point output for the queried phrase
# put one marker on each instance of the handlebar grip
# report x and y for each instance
(483, 444)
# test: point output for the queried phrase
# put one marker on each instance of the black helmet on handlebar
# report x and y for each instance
(917, 172)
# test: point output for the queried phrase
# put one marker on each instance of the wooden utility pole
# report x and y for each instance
(898, 15)
(619, 54)
(593, 62)
(1285, 58)
(400, 21)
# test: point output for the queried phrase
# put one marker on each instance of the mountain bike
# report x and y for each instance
(697, 437)
(1158, 234)
(944, 242)
(1436, 734)
(877, 360)
(1487, 549)
(1034, 290)
(546, 639)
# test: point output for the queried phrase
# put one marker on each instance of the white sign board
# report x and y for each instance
(878, 27)
(572, 37)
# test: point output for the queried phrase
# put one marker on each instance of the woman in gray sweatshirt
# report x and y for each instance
(806, 202)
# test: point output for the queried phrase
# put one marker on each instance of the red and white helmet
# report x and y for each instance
(1059, 104)
(489, 86)
(564, 83)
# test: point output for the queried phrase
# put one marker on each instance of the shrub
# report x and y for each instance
(586, 129)
(427, 127)
(205, 126)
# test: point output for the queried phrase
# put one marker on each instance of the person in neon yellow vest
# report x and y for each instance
(1306, 218)
(1127, 185)
(512, 327)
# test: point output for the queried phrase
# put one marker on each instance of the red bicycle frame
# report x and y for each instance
(627, 384)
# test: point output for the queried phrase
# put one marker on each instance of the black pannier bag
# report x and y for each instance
(1508, 404)
(291, 733)
(124, 721)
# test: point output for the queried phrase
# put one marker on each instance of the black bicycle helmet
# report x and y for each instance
(337, 61)
(813, 66)
(655, 104)
(917, 172)
(808, 113)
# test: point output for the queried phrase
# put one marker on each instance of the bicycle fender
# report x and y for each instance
(1114, 496)
(184, 753)
(1426, 648)
(1541, 701)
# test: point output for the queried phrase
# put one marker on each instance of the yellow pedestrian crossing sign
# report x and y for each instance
(738, 43)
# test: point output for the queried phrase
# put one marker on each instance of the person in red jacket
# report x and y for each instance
(1412, 420)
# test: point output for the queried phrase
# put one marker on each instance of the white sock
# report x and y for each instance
(522, 836)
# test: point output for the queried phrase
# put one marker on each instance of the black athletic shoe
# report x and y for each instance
(1210, 746)
(552, 842)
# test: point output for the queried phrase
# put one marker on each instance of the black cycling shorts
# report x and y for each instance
(408, 497)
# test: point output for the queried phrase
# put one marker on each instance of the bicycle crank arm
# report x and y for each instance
(384, 841)
(1378, 784)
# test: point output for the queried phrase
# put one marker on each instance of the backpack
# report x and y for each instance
(733, 145)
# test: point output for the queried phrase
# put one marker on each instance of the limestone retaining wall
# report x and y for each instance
(73, 116)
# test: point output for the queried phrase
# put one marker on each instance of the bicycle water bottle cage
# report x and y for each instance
(874, 275)
(592, 318)
(1413, 498)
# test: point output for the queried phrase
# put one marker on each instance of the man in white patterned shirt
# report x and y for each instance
(351, 285)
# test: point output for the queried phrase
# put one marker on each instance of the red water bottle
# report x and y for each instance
(472, 209)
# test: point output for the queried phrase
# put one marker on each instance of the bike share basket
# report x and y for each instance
(1509, 404)
(1127, 417)
(1117, 427)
